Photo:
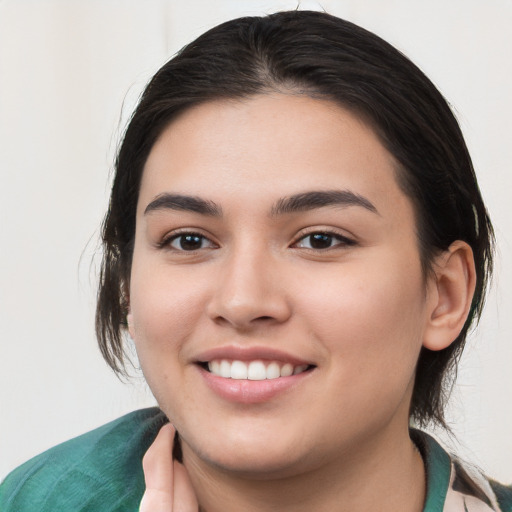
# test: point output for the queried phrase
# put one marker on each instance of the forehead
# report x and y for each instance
(266, 146)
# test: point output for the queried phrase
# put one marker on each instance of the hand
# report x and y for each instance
(168, 487)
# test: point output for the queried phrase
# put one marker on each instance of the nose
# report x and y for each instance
(249, 293)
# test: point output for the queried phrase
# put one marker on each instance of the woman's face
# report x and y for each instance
(272, 238)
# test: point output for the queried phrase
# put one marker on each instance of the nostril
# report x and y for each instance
(245, 311)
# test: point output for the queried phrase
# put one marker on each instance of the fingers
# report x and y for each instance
(168, 487)
(184, 495)
(158, 473)
(156, 501)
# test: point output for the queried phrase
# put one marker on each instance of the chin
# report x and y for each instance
(255, 466)
(255, 459)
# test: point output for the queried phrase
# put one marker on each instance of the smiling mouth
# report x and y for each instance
(253, 370)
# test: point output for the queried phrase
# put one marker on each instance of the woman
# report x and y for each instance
(297, 245)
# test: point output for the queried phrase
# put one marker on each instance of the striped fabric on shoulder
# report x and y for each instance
(455, 486)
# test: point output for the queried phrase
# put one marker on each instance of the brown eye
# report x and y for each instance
(320, 241)
(189, 242)
(323, 240)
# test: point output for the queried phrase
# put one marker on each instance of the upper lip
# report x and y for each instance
(237, 353)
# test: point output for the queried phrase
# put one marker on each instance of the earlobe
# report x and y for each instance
(129, 321)
(451, 296)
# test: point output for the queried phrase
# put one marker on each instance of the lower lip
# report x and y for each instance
(251, 391)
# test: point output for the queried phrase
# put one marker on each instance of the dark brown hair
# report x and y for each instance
(312, 53)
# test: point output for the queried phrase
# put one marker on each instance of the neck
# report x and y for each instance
(386, 474)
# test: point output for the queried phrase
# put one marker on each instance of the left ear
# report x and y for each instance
(450, 295)
(129, 321)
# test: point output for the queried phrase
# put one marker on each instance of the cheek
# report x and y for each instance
(165, 312)
(371, 313)
(164, 309)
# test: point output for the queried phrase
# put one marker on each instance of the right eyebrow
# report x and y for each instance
(185, 203)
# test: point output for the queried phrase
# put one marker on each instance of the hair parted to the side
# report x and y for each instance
(319, 55)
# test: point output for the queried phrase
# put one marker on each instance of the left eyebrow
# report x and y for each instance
(319, 199)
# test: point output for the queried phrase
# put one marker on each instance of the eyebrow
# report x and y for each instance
(304, 201)
(319, 199)
(185, 203)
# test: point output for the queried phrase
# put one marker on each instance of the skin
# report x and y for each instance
(358, 310)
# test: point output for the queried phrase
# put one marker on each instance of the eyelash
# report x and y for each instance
(329, 236)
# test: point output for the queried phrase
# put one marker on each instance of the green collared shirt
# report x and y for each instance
(102, 471)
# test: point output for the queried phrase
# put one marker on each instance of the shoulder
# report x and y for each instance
(503, 494)
(471, 487)
(454, 485)
(99, 470)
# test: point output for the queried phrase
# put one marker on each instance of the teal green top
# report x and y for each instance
(102, 471)
(99, 471)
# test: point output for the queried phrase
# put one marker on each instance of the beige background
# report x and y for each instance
(70, 74)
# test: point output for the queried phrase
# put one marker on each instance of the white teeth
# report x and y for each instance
(300, 369)
(214, 367)
(225, 369)
(238, 370)
(273, 371)
(255, 370)
(287, 370)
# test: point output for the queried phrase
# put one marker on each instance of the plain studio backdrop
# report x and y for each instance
(70, 75)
